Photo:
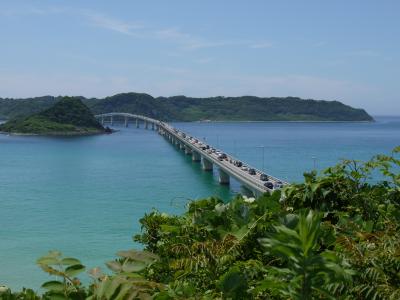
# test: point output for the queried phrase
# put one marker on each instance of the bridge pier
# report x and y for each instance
(137, 123)
(196, 156)
(126, 121)
(146, 125)
(102, 120)
(188, 150)
(223, 177)
(206, 164)
(248, 192)
(152, 126)
(111, 120)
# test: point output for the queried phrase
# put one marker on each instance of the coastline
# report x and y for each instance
(277, 121)
(56, 134)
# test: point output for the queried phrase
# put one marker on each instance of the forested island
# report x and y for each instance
(67, 116)
(334, 236)
(182, 108)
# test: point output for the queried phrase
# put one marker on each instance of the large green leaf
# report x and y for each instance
(114, 266)
(48, 260)
(74, 270)
(69, 261)
(133, 266)
(143, 256)
(57, 296)
(53, 285)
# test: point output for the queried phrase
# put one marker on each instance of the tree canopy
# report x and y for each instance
(182, 108)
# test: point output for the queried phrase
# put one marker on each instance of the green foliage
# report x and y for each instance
(181, 108)
(25, 294)
(233, 284)
(349, 188)
(68, 116)
(307, 269)
(67, 285)
(128, 281)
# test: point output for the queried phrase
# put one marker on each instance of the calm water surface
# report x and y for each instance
(85, 195)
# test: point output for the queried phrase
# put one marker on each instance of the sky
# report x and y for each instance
(333, 50)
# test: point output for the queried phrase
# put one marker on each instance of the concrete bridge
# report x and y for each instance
(252, 179)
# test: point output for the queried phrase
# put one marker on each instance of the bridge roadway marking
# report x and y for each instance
(250, 181)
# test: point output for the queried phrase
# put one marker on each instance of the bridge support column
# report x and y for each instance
(206, 164)
(111, 120)
(137, 123)
(126, 121)
(102, 120)
(188, 150)
(248, 192)
(196, 156)
(223, 177)
(152, 126)
(146, 125)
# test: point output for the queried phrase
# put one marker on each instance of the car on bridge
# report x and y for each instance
(269, 185)
(252, 172)
(264, 177)
(238, 163)
(222, 156)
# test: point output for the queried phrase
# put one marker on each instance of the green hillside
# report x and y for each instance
(182, 108)
(68, 116)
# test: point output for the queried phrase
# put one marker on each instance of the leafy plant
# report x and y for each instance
(128, 281)
(65, 269)
(306, 270)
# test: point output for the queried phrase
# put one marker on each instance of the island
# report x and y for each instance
(68, 116)
(189, 109)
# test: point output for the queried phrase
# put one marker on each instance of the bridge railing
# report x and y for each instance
(175, 131)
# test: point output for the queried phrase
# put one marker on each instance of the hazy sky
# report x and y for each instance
(335, 50)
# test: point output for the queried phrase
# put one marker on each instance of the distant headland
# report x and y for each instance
(68, 116)
(188, 109)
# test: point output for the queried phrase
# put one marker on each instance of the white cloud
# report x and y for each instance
(204, 60)
(103, 21)
(175, 35)
(320, 44)
(261, 45)
(27, 10)
(364, 53)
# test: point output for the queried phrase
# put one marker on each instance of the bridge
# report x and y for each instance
(228, 166)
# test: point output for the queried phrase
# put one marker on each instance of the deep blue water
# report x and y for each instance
(85, 195)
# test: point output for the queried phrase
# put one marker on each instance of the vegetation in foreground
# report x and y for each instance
(182, 108)
(69, 116)
(335, 236)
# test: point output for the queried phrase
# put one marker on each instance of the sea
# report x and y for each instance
(84, 196)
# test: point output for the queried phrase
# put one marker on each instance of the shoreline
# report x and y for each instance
(277, 121)
(56, 134)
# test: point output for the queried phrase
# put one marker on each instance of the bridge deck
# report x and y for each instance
(253, 182)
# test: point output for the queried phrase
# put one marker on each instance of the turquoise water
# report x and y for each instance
(84, 195)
